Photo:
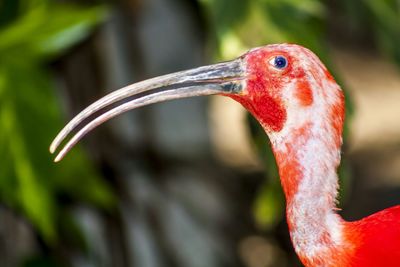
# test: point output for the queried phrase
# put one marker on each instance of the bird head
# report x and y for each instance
(284, 86)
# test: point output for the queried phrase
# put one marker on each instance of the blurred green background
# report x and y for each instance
(162, 185)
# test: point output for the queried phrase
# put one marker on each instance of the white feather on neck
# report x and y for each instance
(315, 226)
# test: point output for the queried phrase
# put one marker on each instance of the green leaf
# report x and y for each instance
(226, 14)
(269, 205)
(305, 25)
(49, 30)
(29, 117)
(32, 196)
(386, 16)
(65, 26)
(8, 11)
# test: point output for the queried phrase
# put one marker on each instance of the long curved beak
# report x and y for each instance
(223, 78)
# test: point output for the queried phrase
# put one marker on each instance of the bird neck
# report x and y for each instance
(307, 151)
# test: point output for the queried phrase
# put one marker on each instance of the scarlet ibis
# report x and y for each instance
(301, 108)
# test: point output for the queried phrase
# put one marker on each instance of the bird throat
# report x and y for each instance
(307, 152)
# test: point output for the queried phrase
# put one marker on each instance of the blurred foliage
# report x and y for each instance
(387, 28)
(378, 19)
(32, 33)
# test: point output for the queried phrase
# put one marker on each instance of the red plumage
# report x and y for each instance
(377, 239)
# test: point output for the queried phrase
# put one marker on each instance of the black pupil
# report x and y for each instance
(280, 62)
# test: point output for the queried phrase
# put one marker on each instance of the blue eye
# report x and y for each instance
(279, 62)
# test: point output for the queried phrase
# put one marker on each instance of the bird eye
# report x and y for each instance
(279, 62)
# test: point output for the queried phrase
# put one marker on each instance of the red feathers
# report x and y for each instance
(304, 93)
(377, 239)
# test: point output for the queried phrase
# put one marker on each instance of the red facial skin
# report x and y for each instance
(264, 104)
(304, 93)
(262, 99)
(370, 242)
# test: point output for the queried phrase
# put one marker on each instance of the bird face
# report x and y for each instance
(275, 83)
(282, 83)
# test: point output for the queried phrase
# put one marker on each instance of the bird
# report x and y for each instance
(301, 108)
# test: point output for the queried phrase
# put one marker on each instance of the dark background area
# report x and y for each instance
(191, 182)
